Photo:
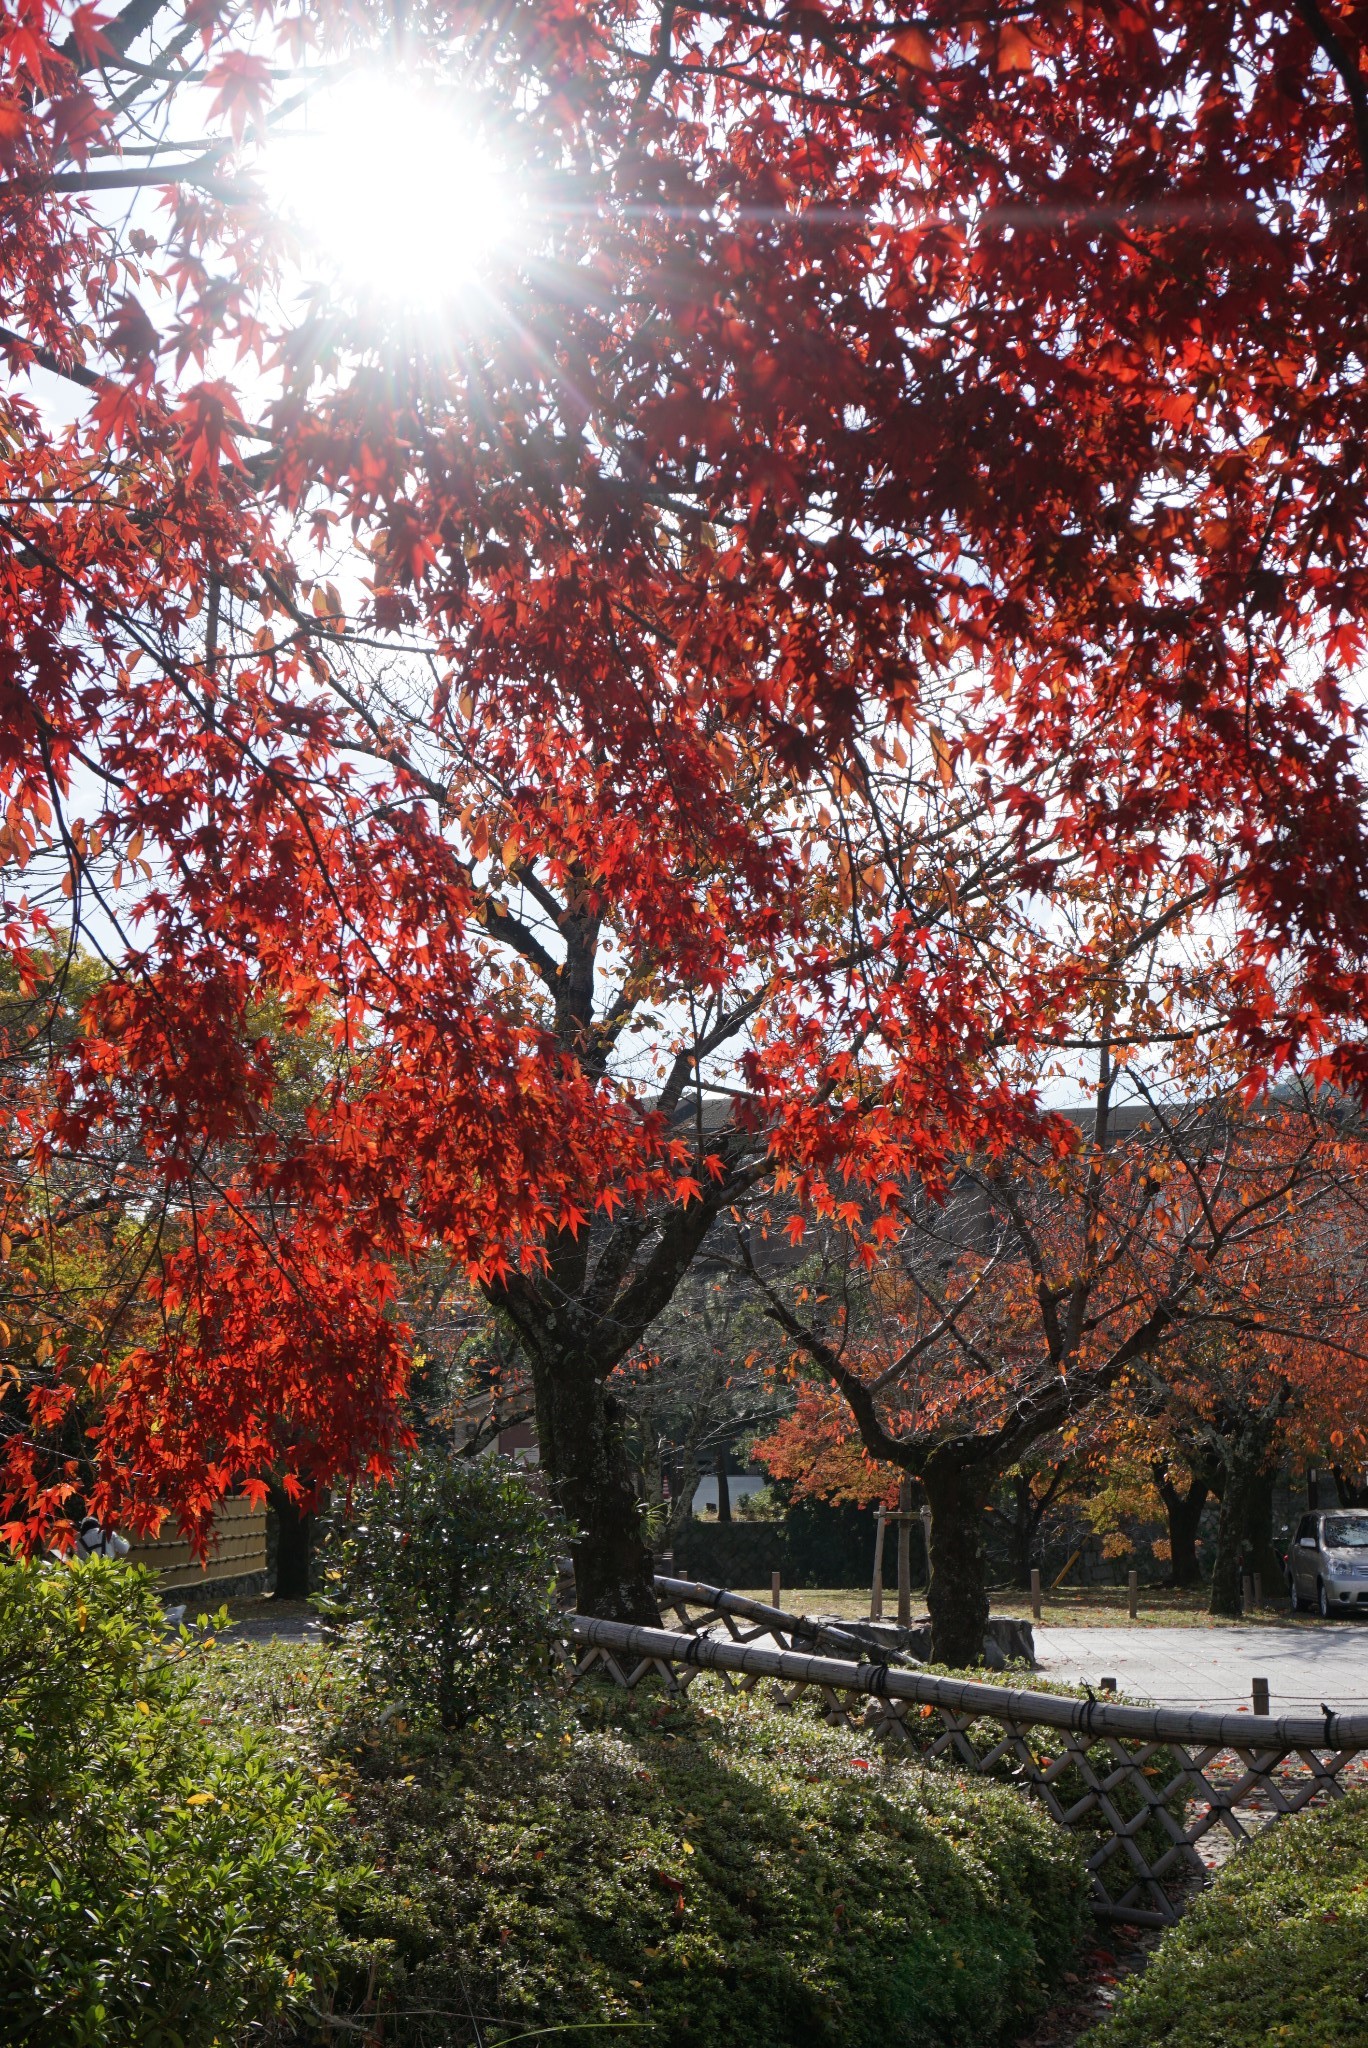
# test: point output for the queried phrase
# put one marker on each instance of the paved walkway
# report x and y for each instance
(1214, 1667)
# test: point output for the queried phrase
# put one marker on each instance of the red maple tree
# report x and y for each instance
(971, 403)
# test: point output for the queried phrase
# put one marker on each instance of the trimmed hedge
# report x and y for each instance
(715, 1873)
(1274, 1955)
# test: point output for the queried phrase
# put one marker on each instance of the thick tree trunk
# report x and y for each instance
(584, 1457)
(957, 1596)
(724, 1513)
(1184, 1513)
(294, 1547)
(1245, 1455)
(1259, 1550)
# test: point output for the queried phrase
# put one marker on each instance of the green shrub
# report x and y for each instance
(1274, 1955)
(717, 1874)
(450, 1569)
(161, 1884)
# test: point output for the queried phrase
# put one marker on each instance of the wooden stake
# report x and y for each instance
(1035, 1592)
(774, 1590)
(876, 1588)
(1133, 1593)
(1060, 1577)
(1260, 1695)
(905, 1554)
(1247, 1594)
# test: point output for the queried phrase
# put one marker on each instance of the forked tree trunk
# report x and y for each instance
(1184, 1513)
(1029, 1510)
(584, 1457)
(957, 1596)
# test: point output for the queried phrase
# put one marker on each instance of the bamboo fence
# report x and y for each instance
(237, 1548)
(1151, 1784)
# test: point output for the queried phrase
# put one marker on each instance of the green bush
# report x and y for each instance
(450, 1569)
(715, 1874)
(1274, 1955)
(161, 1884)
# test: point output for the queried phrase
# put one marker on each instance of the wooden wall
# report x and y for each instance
(238, 1547)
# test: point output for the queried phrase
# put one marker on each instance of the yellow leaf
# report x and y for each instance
(688, 1848)
(201, 1799)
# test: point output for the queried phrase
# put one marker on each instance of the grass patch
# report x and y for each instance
(1068, 1607)
(1274, 1955)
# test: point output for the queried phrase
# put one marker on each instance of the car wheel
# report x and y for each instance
(1322, 1603)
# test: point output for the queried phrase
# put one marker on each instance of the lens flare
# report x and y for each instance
(392, 188)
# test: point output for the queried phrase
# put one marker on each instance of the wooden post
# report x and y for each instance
(926, 1539)
(775, 1601)
(1247, 1594)
(1133, 1594)
(1312, 1487)
(876, 1587)
(1260, 1695)
(1035, 1592)
(1258, 1589)
(1107, 1684)
(905, 1554)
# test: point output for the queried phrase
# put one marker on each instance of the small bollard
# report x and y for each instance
(1133, 1593)
(774, 1589)
(1247, 1593)
(1107, 1684)
(1035, 1593)
(1260, 1695)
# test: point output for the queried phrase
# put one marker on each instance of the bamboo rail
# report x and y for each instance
(1150, 1783)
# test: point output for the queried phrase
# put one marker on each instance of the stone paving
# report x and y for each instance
(1214, 1667)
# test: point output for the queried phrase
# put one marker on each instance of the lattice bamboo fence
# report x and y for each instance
(1152, 1784)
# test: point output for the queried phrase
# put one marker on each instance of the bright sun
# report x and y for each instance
(391, 190)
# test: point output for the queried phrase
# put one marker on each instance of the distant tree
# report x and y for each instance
(1002, 1319)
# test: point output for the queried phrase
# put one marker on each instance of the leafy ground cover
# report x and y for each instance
(1275, 1955)
(711, 1873)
